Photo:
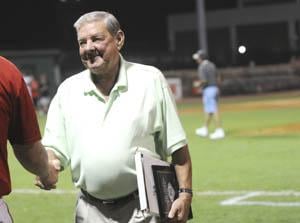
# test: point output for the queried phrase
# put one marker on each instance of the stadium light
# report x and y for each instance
(242, 49)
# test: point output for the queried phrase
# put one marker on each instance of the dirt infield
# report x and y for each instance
(278, 130)
(281, 100)
(251, 102)
(272, 104)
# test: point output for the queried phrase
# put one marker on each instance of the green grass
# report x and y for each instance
(43, 208)
(260, 153)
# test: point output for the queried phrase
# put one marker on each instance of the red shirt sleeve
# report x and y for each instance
(23, 127)
(18, 121)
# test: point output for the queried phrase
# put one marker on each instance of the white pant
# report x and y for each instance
(88, 212)
(5, 216)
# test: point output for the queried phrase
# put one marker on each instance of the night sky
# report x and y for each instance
(44, 24)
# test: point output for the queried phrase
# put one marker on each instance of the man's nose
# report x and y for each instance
(90, 45)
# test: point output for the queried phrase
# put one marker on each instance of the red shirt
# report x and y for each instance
(18, 122)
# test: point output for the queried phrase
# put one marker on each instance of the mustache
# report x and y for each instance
(90, 55)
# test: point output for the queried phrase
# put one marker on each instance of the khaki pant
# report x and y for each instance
(5, 216)
(128, 212)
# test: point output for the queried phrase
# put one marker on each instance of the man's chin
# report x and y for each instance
(92, 66)
(95, 69)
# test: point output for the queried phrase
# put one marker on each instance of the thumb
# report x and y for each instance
(172, 212)
(56, 164)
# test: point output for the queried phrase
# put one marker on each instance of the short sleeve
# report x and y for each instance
(172, 136)
(54, 135)
(24, 128)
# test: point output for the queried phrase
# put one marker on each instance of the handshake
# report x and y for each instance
(48, 181)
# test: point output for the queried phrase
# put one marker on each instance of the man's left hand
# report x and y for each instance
(180, 208)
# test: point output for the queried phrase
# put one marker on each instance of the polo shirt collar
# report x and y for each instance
(121, 85)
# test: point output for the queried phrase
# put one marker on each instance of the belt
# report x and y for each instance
(114, 201)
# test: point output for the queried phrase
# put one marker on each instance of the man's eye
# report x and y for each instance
(82, 43)
(98, 39)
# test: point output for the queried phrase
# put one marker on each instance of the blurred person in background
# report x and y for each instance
(28, 78)
(32, 86)
(18, 125)
(208, 81)
(35, 91)
(100, 116)
(44, 91)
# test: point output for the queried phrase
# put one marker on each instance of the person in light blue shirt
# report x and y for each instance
(100, 116)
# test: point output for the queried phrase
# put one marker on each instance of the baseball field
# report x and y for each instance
(250, 176)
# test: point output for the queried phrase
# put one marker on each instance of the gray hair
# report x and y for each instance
(112, 24)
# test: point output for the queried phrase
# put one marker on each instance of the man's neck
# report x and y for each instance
(105, 83)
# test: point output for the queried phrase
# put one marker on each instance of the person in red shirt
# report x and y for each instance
(18, 125)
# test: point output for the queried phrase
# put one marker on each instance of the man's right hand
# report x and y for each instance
(49, 181)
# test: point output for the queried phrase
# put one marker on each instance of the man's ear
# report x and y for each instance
(120, 39)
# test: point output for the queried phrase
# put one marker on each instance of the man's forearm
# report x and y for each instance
(33, 158)
(183, 167)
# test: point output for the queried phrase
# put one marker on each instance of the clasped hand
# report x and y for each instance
(49, 181)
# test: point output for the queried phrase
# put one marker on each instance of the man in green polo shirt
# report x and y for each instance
(99, 117)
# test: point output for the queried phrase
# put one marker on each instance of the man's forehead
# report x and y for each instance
(92, 28)
(101, 25)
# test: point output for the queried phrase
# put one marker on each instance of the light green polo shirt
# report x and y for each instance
(98, 139)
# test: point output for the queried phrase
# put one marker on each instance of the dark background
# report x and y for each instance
(48, 24)
(42, 24)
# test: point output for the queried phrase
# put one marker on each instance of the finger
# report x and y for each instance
(172, 213)
(40, 185)
(43, 186)
(180, 216)
(49, 187)
(56, 164)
